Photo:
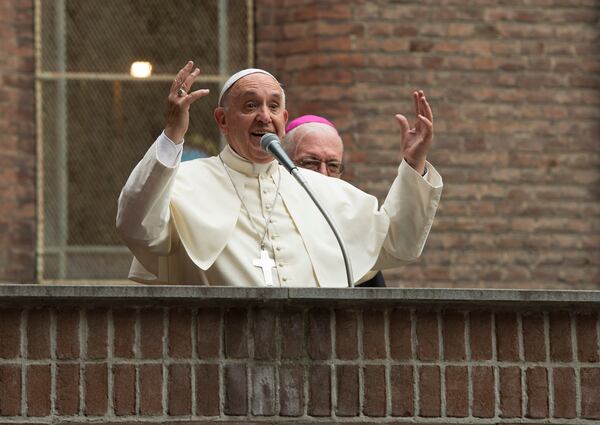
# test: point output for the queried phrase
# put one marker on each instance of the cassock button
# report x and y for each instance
(284, 279)
(278, 248)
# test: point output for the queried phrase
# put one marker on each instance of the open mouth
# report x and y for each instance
(259, 133)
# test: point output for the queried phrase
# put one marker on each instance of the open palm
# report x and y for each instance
(416, 141)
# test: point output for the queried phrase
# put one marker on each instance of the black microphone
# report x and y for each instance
(270, 143)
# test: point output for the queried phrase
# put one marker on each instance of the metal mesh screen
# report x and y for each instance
(96, 121)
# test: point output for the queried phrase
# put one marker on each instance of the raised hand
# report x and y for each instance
(179, 101)
(415, 142)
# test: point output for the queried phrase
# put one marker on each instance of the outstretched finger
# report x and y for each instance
(195, 95)
(417, 100)
(181, 76)
(426, 109)
(187, 84)
(403, 123)
(427, 127)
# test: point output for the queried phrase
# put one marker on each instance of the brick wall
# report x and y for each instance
(515, 90)
(17, 144)
(151, 355)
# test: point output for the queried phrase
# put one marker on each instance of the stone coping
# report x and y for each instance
(154, 294)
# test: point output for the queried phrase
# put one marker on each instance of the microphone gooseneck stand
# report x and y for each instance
(300, 179)
(270, 143)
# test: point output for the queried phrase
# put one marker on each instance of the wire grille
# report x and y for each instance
(97, 121)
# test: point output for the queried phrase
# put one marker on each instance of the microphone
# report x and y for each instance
(270, 143)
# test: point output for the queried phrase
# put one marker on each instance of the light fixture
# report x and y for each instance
(140, 69)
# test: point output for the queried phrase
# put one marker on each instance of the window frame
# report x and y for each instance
(62, 77)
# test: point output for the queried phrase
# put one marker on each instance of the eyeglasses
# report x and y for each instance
(334, 168)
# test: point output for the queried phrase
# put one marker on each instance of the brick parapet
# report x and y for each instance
(155, 354)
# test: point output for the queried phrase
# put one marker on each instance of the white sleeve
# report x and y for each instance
(411, 205)
(143, 214)
(167, 151)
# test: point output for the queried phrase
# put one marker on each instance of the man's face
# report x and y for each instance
(320, 150)
(253, 106)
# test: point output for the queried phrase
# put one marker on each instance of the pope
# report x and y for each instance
(239, 219)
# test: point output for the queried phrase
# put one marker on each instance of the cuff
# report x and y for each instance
(168, 152)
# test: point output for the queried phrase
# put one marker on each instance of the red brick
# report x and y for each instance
(236, 326)
(480, 335)
(38, 390)
(507, 340)
(151, 384)
(10, 390)
(264, 323)
(67, 334)
(373, 335)
(124, 389)
(565, 397)
(124, 333)
(561, 347)
(180, 333)
(346, 342)
(151, 333)
(38, 334)
(207, 389)
(347, 390)
(96, 389)
(209, 333)
(457, 391)
(427, 336)
(291, 390)
(403, 395)
(97, 333)
(179, 391)
(374, 391)
(590, 396)
(537, 392)
(236, 390)
(510, 392)
(67, 389)
(291, 324)
(483, 392)
(263, 390)
(10, 333)
(400, 335)
(587, 337)
(429, 391)
(319, 391)
(319, 334)
(534, 342)
(453, 334)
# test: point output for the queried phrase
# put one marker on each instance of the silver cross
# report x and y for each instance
(266, 264)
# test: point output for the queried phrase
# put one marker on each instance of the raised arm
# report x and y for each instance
(143, 216)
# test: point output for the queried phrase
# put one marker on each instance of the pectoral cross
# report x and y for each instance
(266, 264)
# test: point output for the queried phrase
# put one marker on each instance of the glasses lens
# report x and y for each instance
(311, 164)
(335, 167)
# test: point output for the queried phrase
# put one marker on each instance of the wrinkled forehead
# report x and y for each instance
(256, 83)
(317, 131)
(251, 82)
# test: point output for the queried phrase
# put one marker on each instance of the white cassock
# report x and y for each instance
(186, 224)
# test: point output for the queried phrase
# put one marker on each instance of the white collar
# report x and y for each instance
(243, 166)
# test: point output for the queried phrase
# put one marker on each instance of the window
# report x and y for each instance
(95, 119)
